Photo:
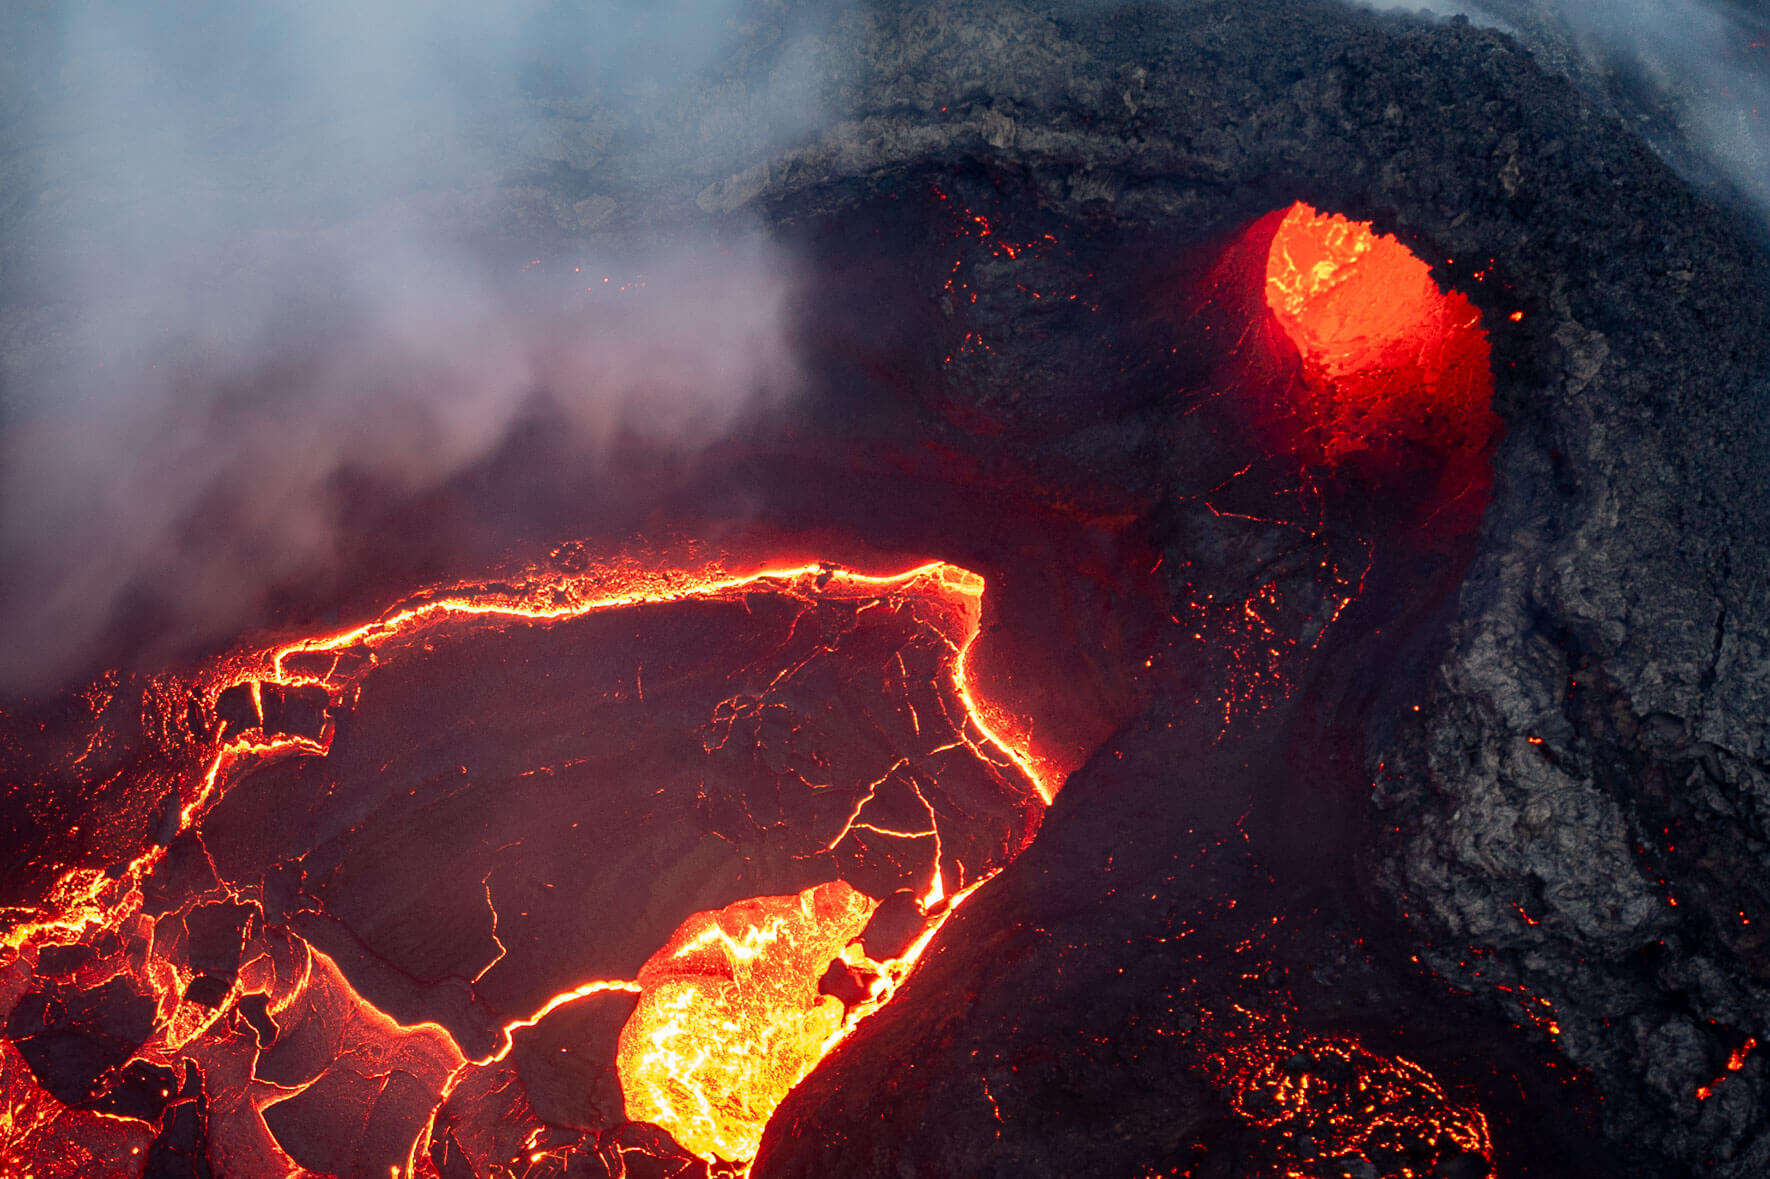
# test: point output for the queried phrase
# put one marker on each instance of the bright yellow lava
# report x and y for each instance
(730, 1018)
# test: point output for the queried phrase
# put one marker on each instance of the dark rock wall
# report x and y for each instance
(1592, 748)
(1590, 744)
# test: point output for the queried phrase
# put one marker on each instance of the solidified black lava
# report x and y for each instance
(1561, 747)
(1507, 817)
(71, 1037)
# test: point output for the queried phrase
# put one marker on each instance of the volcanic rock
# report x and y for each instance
(894, 926)
(140, 1089)
(841, 982)
(255, 1010)
(72, 1039)
(1544, 737)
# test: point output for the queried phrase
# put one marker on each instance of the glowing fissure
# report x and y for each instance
(596, 987)
(730, 1014)
(741, 1002)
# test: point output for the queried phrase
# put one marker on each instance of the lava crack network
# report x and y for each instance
(584, 867)
(590, 868)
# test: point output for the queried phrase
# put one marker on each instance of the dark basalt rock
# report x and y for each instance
(894, 926)
(392, 1109)
(179, 1151)
(840, 981)
(1588, 745)
(62, 961)
(293, 711)
(139, 1090)
(567, 1063)
(236, 711)
(215, 932)
(255, 1010)
(208, 990)
(184, 871)
(1492, 779)
(72, 1039)
(1462, 1166)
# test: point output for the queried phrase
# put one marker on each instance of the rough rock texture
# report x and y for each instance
(1510, 786)
(1593, 747)
(1693, 95)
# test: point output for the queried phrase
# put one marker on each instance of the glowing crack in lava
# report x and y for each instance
(1395, 369)
(694, 826)
(290, 961)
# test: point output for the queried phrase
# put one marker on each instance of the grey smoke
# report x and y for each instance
(1692, 76)
(240, 264)
(239, 255)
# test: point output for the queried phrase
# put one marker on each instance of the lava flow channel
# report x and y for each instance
(292, 963)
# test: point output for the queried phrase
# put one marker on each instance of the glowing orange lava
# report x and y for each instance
(730, 1014)
(1393, 366)
(738, 1006)
(730, 1018)
(1735, 1061)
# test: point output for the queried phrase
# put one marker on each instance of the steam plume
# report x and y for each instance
(255, 226)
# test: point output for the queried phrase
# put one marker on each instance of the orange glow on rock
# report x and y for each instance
(1354, 1101)
(1395, 370)
(731, 1012)
(86, 899)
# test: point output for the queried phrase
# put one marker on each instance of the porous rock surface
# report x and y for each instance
(1590, 744)
(1577, 812)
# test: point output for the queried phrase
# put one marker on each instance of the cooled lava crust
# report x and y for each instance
(1504, 817)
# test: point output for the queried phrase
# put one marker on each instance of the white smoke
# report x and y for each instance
(1709, 57)
(252, 226)
(238, 260)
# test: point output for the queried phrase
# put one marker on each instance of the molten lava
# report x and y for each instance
(737, 809)
(730, 1017)
(228, 995)
(1397, 379)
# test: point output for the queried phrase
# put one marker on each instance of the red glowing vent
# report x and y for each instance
(1396, 372)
